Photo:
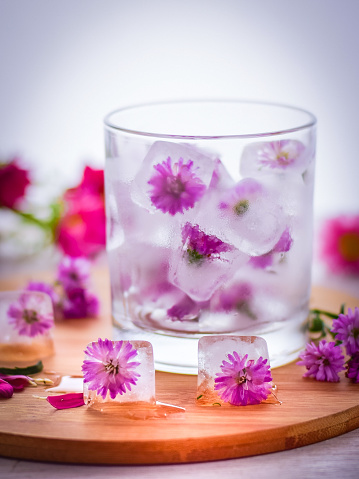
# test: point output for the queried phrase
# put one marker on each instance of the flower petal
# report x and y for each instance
(6, 390)
(66, 401)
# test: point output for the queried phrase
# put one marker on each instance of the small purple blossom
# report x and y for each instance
(280, 154)
(200, 245)
(346, 328)
(323, 361)
(80, 303)
(176, 187)
(243, 381)
(30, 315)
(74, 273)
(108, 367)
(353, 368)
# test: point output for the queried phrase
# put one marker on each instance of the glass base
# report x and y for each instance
(177, 354)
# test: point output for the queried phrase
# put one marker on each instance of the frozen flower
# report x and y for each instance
(237, 297)
(73, 273)
(339, 244)
(14, 181)
(48, 289)
(6, 390)
(238, 200)
(30, 315)
(80, 303)
(346, 328)
(243, 381)
(200, 245)
(283, 246)
(108, 367)
(323, 361)
(280, 154)
(176, 187)
(353, 368)
(186, 308)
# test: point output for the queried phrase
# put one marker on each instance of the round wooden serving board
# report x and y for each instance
(311, 411)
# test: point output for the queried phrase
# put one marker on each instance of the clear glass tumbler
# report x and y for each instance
(209, 225)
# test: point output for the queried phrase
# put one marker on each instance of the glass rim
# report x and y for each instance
(312, 120)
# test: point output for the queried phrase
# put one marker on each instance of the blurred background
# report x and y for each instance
(65, 65)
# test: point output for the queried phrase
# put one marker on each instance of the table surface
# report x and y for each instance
(336, 457)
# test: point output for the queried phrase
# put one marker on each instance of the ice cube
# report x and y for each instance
(279, 157)
(26, 323)
(202, 263)
(172, 178)
(213, 350)
(124, 371)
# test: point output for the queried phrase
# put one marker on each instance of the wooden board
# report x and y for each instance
(310, 412)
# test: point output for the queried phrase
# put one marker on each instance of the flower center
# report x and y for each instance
(241, 207)
(111, 368)
(194, 257)
(241, 379)
(355, 333)
(283, 158)
(349, 246)
(175, 186)
(30, 316)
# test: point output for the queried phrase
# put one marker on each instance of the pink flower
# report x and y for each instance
(280, 154)
(339, 244)
(346, 328)
(200, 245)
(176, 187)
(47, 289)
(239, 199)
(82, 229)
(31, 315)
(108, 367)
(80, 303)
(6, 390)
(237, 297)
(13, 183)
(323, 362)
(74, 273)
(283, 246)
(243, 381)
(353, 368)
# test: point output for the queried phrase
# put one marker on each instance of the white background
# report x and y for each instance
(65, 64)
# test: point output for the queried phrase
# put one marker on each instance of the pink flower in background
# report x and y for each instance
(346, 328)
(339, 244)
(175, 187)
(93, 181)
(14, 181)
(108, 367)
(80, 303)
(74, 273)
(323, 362)
(280, 154)
(30, 315)
(243, 381)
(200, 245)
(353, 368)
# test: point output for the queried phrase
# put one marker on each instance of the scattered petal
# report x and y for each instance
(66, 401)
(6, 390)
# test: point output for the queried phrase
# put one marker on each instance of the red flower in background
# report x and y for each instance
(339, 244)
(14, 181)
(82, 228)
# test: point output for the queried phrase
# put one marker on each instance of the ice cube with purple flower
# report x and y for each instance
(233, 369)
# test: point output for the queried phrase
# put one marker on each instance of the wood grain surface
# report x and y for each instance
(311, 411)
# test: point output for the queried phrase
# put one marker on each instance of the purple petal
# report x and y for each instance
(6, 390)
(18, 382)
(66, 401)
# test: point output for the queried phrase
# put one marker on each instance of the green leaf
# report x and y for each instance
(34, 369)
(200, 396)
(342, 309)
(316, 325)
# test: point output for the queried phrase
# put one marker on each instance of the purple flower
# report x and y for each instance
(108, 367)
(280, 154)
(48, 289)
(176, 187)
(243, 381)
(80, 303)
(200, 245)
(346, 327)
(185, 308)
(31, 315)
(323, 362)
(236, 297)
(6, 390)
(74, 273)
(283, 246)
(353, 368)
(238, 199)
